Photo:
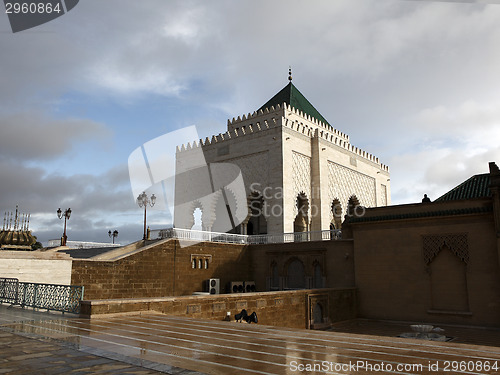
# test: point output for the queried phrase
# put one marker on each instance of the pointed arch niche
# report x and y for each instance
(351, 205)
(196, 217)
(446, 258)
(336, 222)
(257, 223)
(301, 222)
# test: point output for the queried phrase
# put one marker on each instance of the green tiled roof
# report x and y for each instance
(474, 187)
(293, 97)
(417, 215)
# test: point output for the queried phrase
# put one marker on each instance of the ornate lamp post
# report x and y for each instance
(66, 215)
(143, 201)
(113, 234)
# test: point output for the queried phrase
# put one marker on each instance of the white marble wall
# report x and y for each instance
(285, 152)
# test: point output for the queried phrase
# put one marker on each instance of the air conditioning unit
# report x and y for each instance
(236, 287)
(212, 286)
(249, 286)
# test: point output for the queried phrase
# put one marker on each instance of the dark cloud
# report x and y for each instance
(33, 135)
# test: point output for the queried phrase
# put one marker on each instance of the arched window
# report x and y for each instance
(193, 263)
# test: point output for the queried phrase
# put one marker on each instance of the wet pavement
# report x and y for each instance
(152, 343)
(22, 351)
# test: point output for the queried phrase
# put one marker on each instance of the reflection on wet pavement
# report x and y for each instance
(181, 345)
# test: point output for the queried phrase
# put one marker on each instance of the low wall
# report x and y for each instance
(293, 309)
(44, 267)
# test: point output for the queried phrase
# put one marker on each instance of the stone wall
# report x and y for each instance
(36, 266)
(284, 309)
(433, 266)
(336, 259)
(435, 263)
(150, 271)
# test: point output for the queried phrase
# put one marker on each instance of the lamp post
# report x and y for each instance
(113, 234)
(66, 215)
(143, 201)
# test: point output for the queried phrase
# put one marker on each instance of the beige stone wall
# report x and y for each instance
(36, 267)
(396, 283)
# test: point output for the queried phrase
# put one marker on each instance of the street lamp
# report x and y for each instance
(143, 201)
(113, 234)
(66, 215)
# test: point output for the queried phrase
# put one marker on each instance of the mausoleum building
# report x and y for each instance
(301, 174)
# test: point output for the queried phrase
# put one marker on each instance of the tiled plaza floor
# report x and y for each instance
(22, 355)
(27, 353)
(171, 344)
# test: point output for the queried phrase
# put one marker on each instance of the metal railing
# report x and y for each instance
(198, 235)
(65, 298)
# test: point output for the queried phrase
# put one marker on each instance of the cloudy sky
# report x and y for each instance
(416, 83)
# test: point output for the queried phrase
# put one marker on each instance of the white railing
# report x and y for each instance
(198, 235)
(81, 244)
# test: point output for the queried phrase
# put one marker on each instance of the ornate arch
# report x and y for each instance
(336, 213)
(457, 243)
(302, 219)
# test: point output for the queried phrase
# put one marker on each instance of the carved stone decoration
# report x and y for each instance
(383, 195)
(254, 168)
(344, 182)
(301, 168)
(434, 243)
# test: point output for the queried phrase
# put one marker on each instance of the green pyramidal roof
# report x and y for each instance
(293, 97)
